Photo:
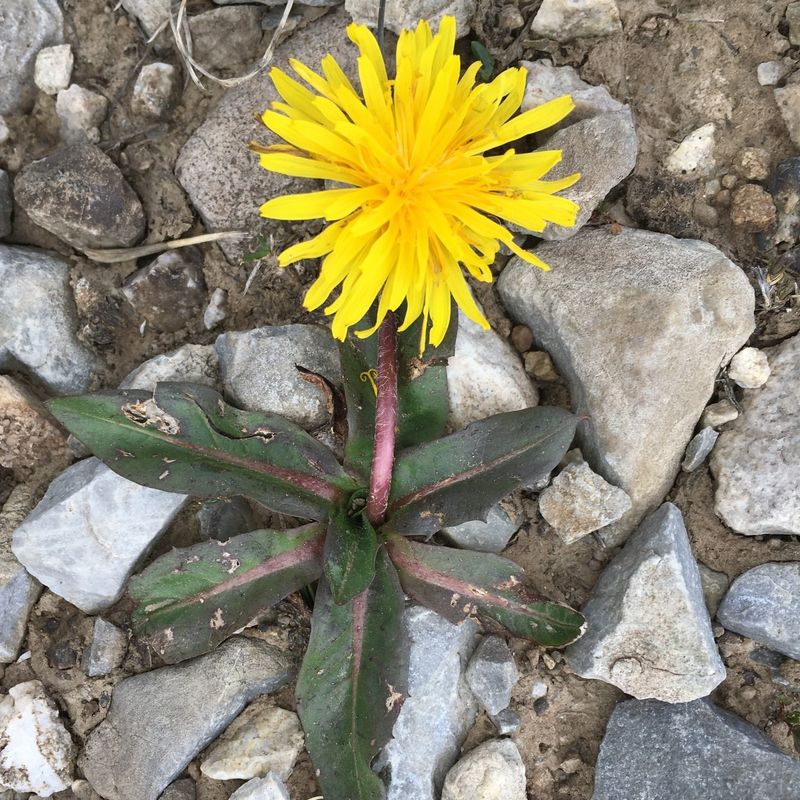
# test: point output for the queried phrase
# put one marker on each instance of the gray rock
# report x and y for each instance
(6, 204)
(106, 650)
(788, 101)
(714, 584)
(170, 291)
(18, 592)
(153, 89)
(492, 771)
(81, 113)
(719, 413)
(769, 73)
(564, 20)
(89, 532)
(507, 722)
(492, 536)
(699, 448)
(79, 194)
(492, 674)
(229, 516)
(407, 13)
(215, 167)
(657, 751)
(438, 712)
(757, 458)
(546, 82)
(585, 149)
(5, 133)
(638, 323)
(793, 21)
(28, 26)
(225, 37)
(262, 740)
(749, 368)
(269, 788)
(762, 605)
(36, 751)
(38, 321)
(648, 629)
(579, 501)
(151, 14)
(259, 370)
(160, 720)
(485, 376)
(53, 68)
(192, 363)
(183, 789)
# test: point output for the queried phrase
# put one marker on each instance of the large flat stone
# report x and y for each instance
(762, 604)
(221, 176)
(692, 751)
(647, 627)
(756, 460)
(639, 324)
(38, 321)
(160, 720)
(89, 532)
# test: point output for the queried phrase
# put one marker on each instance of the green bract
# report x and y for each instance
(185, 438)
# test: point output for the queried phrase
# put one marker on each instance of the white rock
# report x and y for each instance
(694, 156)
(407, 13)
(36, 751)
(585, 149)
(757, 459)
(648, 631)
(53, 68)
(268, 741)
(4, 131)
(106, 650)
(152, 14)
(492, 771)
(564, 20)
(638, 324)
(89, 532)
(749, 368)
(769, 72)
(438, 711)
(192, 363)
(698, 449)
(579, 501)
(719, 413)
(259, 370)
(546, 82)
(269, 788)
(153, 89)
(485, 376)
(217, 309)
(81, 113)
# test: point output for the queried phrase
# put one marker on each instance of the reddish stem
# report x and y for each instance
(385, 422)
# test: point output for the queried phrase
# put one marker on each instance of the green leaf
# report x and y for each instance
(350, 549)
(184, 438)
(352, 683)
(421, 386)
(459, 477)
(485, 57)
(190, 600)
(461, 583)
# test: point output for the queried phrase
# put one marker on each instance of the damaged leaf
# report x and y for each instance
(460, 583)
(350, 549)
(186, 439)
(190, 600)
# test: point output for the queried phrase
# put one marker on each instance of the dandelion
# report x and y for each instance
(422, 181)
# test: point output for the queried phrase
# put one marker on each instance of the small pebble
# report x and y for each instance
(510, 18)
(53, 68)
(752, 208)
(753, 163)
(694, 156)
(507, 722)
(521, 338)
(81, 112)
(749, 368)
(153, 89)
(538, 690)
(4, 131)
(549, 661)
(539, 365)
(217, 309)
(571, 765)
(719, 413)
(728, 181)
(699, 448)
(769, 72)
(722, 199)
(540, 706)
(705, 214)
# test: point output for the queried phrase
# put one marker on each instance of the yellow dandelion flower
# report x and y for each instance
(421, 197)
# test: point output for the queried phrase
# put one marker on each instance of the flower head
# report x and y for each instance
(420, 197)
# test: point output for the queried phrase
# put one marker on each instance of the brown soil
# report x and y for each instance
(679, 65)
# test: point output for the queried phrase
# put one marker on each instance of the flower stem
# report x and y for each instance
(385, 422)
